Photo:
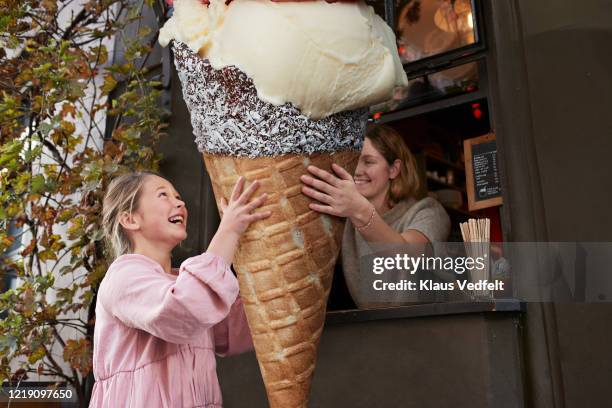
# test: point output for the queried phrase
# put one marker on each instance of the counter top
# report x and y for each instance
(424, 309)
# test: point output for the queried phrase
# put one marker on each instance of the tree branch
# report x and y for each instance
(61, 340)
(81, 16)
(56, 154)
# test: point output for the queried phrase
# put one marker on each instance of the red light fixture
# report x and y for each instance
(476, 111)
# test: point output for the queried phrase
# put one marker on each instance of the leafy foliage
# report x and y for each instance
(56, 88)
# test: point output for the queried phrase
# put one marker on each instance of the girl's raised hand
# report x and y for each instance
(337, 194)
(236, 215)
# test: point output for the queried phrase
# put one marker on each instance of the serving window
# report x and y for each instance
(446, 102)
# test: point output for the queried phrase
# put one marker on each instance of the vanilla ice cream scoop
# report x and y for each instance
(322, 57)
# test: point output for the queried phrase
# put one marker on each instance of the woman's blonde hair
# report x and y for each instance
(123, 194)
(392, 147)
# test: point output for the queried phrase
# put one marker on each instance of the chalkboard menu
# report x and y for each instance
(482, 176)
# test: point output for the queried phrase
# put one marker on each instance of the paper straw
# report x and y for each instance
(477, 233)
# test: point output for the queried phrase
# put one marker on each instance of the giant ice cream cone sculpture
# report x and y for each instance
(258, 114)
(284, 266)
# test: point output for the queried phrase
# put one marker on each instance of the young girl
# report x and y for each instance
(157, 329)
(380, 202)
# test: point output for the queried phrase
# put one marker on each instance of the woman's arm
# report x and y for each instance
(338, 196)
(138, 293)
(375, 229)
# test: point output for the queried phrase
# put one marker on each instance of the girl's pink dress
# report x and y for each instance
(156, 334)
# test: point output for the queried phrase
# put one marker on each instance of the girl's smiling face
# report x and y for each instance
(373, 174)
(161, 217)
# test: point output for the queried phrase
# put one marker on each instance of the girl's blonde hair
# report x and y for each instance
(392, 147)
(123, 194)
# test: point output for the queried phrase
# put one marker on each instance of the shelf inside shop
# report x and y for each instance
(441, 160)
(444, 184)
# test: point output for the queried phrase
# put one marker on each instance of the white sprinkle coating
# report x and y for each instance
(228, 118)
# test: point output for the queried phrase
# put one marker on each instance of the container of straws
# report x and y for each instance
(476, 238)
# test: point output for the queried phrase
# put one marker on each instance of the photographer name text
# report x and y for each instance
(430, 285)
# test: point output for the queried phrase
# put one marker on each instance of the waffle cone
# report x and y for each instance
(285, 266)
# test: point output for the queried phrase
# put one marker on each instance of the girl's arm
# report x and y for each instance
(232, 335)
(140, 294)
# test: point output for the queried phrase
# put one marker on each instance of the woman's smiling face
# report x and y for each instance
(373, 174)
(161, 214)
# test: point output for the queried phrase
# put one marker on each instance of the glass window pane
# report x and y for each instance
(442, 84)
(429, 27)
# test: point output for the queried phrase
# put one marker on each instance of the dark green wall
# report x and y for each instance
(568, 59)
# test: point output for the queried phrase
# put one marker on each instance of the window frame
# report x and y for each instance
(477, 52)
(439, 61)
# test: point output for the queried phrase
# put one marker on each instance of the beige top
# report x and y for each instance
(426, 216)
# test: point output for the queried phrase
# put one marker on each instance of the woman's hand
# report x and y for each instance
(236, 215)
(337, 194)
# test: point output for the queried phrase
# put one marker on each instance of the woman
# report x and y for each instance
(380, 203)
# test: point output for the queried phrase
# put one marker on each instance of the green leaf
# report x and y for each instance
(76, 89)
(66, 214)
(109, 84)
(10, 151)
(45, 282)
(144, 31)
(32, 154)
(38, 184)
(45, 128)
(41, 70)
(36, 355)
